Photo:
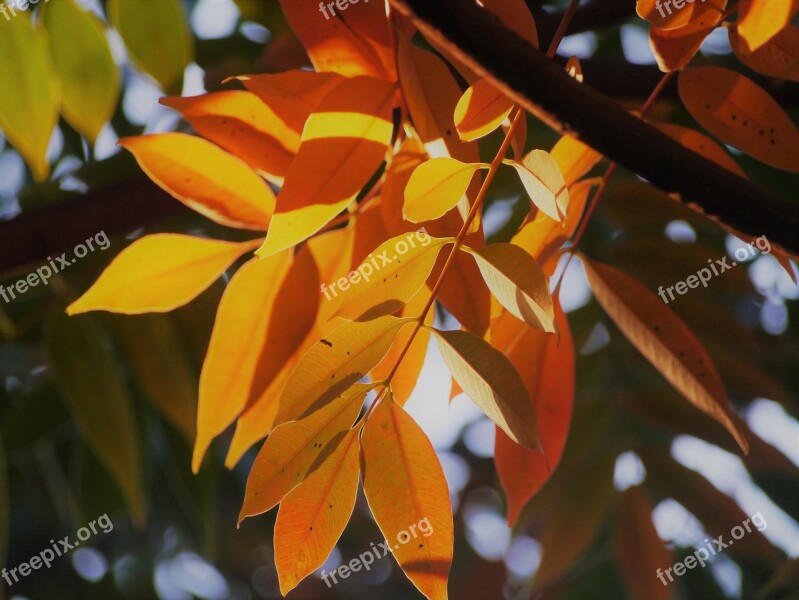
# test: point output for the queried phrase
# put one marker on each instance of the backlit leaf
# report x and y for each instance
(343, 144)
(574, 158)
(235, 374)
(158, 273)
(778, 57)
(436, 187)
(99, 402)
(741, 114)
(544, 183)
(394, 278)
(481, 110)
(759, 22)
(335, 363)
(28, 102)
(675, 48)
(87, 73)
(517, 281)
(702, 144)
(295, 449)
(546, 365)
(489, 379)
(353, 41)
(313, 516)
(664, 340)
(159, 42)
(205, 178)
(405, 487)
(679, 13)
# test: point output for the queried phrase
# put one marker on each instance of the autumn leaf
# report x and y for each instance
(518, 282)
(778, 57)
(543, 182)
(492, 383)
(334, 363)
(295, 449)
(343, 144)
(158, 273)
(312, 517)
(664, 340)
(205, 178)
(664, 15)
(741, 114)
(702, 144)
(436, 187)
(675, 48)
(481, 110)
(546, 364)
(515, 15)
(574, 158)
(389, 277)
(759, 22)
(405, 487)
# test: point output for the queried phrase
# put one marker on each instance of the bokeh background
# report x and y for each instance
(630, 428)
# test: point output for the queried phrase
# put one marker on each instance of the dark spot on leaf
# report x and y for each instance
(328, 344)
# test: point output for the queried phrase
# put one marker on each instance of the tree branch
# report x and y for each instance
(542, 87)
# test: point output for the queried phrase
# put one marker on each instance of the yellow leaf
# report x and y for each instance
(488, 378)
(343, 144)
(98, 399)
(313, 516)
(295, 449)
(544, 183)
(88, 75)
(158, 273)
(759, 22)
(244, 126)
(351, 42)
(335, 363)
(702, 144)
(436, 187)
(389, 277)
(778, 57)
(574, 159)
(664, 340)
(481, 110)
(29, 99)
(408, 494)
(205, 178)
(665, 15)
(741, 114)
(159, 42)
(517, 281)
(235, 374)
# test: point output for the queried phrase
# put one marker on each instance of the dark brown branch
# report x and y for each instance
(542, 87)
(593, 16)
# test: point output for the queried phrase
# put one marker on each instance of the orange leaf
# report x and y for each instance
(158, 273)
(674, 48)
(405, 487)
(665, 14)
(664, 340)
(547, 369)
(759, 22)
(343, 144)
(313, 516)
(205, 178)
(638, 550)
(703, 145)
(352, 41)
(574, 159)
(243, 125)
(742, 114)
(235, 374)
(295, 449)
(481, 110)
(779, 57)
(515, 15)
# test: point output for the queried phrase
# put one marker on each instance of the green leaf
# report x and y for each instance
(157, 37)
(98, 399)
(29, 97)
(89, 77)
